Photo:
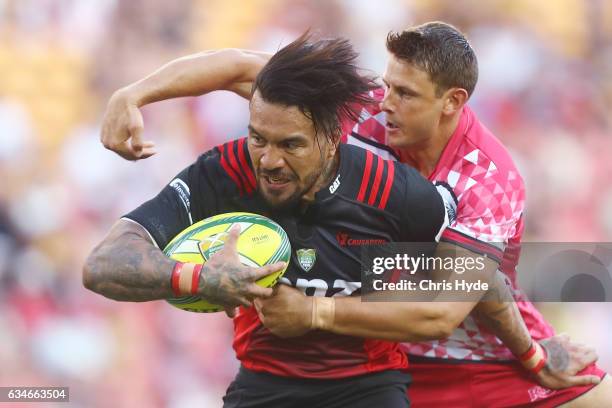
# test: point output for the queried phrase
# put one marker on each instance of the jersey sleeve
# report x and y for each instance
(369, 130)
(188, 198)
(487, 215)
(424, 217)
(371, 123)
(168, 213)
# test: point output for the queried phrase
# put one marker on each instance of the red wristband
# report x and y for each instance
(174, 281)
(529, 353)
(195, 278)
(533, 361)
(538, 367)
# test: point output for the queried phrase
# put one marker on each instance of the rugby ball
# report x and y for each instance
(261, 242)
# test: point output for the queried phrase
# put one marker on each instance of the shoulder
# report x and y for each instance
(480, 165)
(379, 182)
(228, 165)
(371, 177)
(395, 191)
(483, 149)
(417, 193)
(486, 188)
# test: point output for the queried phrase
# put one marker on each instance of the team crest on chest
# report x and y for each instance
(306, 258)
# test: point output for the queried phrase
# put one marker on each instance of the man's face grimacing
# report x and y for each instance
(413, 109)
(288, 159)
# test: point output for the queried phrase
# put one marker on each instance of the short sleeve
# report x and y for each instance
(487, 215)
(168, 213)
(191, 196)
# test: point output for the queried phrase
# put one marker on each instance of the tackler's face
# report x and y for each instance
(413, 110)
(288, 157)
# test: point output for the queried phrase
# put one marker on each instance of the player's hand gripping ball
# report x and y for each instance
(261, 242)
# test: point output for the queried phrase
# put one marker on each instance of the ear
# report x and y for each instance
(333, 147)
(454, 99)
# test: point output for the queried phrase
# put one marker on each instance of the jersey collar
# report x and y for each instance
(465, 122)
(336, 183)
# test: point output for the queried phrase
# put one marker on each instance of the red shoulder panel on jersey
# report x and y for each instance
(234, 162)
(366, 176)
(248, 171)
(388, 184)
(472, 244)
(377, 177)
(383, 175)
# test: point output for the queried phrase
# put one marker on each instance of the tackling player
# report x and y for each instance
(431, 73)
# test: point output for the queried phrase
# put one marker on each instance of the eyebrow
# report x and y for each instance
(402, 88)
(293, 138)
(253, 130)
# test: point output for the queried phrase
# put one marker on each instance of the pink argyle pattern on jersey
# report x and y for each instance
(490, 200)
(371, 124)
(468, 342)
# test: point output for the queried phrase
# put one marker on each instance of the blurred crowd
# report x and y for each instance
(545, 89)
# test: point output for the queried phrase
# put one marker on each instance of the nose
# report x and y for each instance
(386, 105)
(271, 159)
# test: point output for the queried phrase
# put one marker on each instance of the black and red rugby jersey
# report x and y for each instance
(369, 201)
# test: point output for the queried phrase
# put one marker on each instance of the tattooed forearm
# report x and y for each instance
(504, 319)
(127, 266)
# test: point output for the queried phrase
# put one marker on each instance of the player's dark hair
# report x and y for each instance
(440, 50)
(318, 77)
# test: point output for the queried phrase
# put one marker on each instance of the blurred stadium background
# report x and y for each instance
(545, 89)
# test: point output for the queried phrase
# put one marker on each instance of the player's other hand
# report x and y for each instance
(286, 314)
(227, 282)
(565, 361)
(122, 128)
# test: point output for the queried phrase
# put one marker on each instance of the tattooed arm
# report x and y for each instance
(565, 358)
(127, 266)
(500, 314)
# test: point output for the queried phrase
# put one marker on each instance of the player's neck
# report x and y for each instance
(425, 155)
(328, 173)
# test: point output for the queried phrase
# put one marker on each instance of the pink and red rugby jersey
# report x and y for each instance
(485, 197)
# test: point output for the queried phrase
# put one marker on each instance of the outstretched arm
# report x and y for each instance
(193, 75)
(395, 316)
(289, 313)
